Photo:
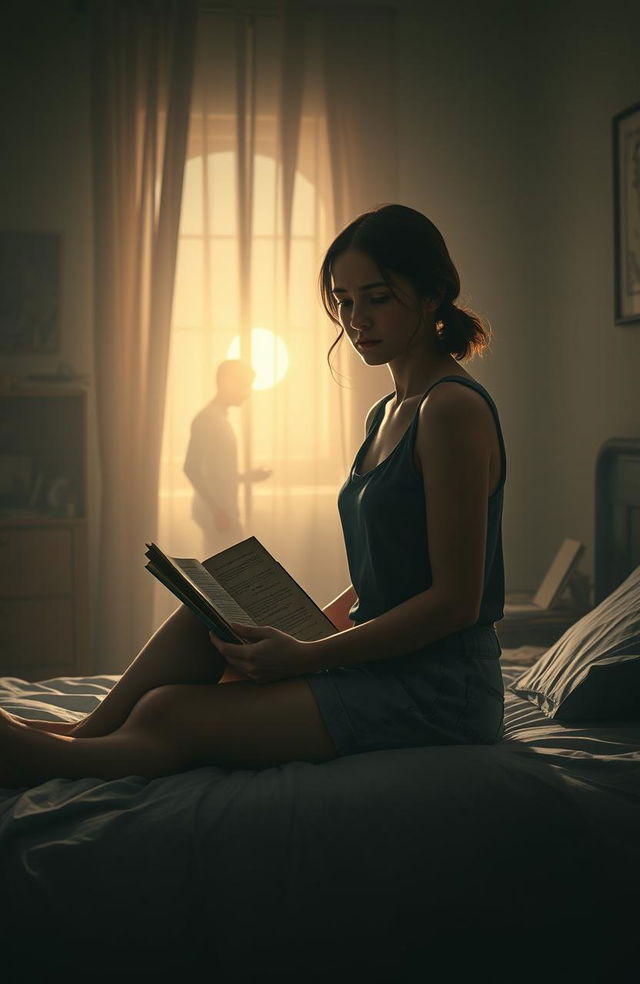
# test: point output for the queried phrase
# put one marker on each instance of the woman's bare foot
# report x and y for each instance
(28, 756)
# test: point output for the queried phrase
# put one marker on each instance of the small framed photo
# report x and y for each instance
(626, 214)
(29, 291)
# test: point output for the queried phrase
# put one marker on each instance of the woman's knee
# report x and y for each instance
(159, 709)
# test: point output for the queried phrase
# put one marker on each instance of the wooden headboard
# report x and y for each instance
(617, 546)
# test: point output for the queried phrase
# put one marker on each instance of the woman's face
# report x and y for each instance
(368, 310)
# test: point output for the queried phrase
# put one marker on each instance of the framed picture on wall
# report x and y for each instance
(29, 291)
(626, 214)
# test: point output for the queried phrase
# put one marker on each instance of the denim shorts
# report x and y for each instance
(448, 693)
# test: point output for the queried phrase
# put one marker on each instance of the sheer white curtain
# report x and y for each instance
(142, 70)
(359, 89)
(291, 135)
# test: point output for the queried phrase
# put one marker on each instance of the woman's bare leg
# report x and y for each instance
(174, 728)
(29, 756)
(180, 651)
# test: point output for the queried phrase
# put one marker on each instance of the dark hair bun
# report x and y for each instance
(461, 333)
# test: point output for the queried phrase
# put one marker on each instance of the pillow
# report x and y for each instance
(593, 671)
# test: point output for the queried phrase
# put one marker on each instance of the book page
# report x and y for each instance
(191, 583)
(213, 590)
(200, 606)
(267, 592)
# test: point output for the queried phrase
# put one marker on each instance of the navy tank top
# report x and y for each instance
(383, 517)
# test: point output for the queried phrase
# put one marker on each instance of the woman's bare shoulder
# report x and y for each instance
(448, 397)
(450, 409)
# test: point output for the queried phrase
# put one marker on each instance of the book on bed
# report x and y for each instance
(244, 584)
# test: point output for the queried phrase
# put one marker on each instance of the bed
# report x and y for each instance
(514, 862)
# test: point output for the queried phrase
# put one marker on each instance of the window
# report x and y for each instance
(294, 424)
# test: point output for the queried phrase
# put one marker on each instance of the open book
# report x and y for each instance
(244, 584)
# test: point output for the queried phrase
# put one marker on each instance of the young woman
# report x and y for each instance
(416, 658)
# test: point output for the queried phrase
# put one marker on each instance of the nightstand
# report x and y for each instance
(540, 629)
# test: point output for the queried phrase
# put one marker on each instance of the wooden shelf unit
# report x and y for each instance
(44, 593)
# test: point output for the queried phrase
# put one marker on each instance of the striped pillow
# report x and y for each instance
(592, 673)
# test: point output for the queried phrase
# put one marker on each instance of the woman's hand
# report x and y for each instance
(268, 655)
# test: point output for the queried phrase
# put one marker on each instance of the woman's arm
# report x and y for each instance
(415, 623)
(338, 609)
(454, 441)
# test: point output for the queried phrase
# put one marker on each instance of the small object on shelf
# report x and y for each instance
(34, 495)
(58, 496)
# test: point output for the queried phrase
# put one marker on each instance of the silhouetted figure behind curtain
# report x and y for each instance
(211, 464)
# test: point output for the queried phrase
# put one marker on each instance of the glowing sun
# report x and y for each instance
(269, 357)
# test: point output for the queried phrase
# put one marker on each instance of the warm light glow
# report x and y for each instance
(269, 357)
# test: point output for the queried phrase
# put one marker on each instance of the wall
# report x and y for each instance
(590, 382)
(460, 76)
(505, 143)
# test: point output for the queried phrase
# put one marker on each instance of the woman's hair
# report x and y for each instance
(401, 240)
